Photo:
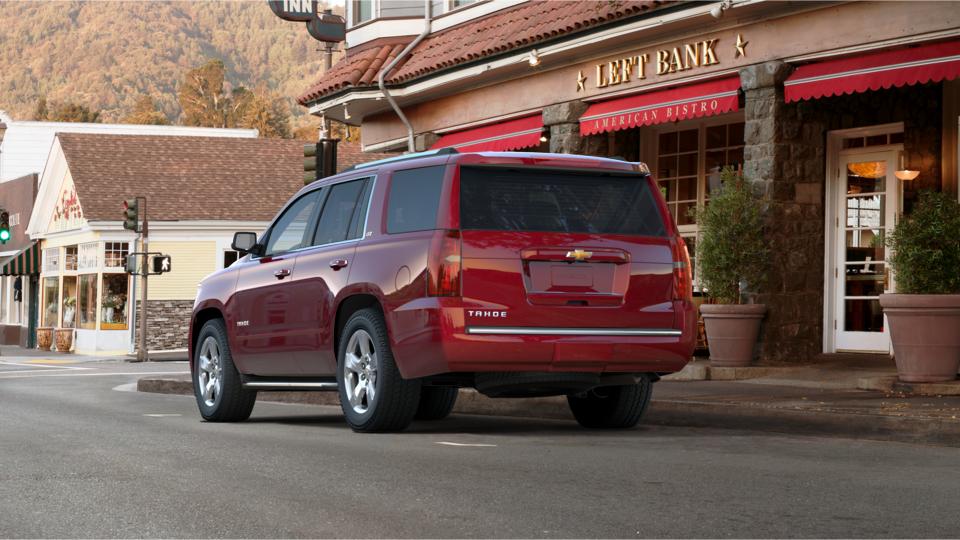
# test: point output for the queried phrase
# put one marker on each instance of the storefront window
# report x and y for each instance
(114, 301)
(87, 301)
(51, 300)
(115, 254)
(677, 160)
(69, 302)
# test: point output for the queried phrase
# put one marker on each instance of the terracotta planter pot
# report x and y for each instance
(64, 339)
(732, 331)
(44, 338)
(925, 331)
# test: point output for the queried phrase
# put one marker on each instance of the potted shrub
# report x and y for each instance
(731, 254)
(44, 338)
(64, 339)
(924, 314)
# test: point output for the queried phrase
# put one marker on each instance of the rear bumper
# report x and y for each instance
(429, 337)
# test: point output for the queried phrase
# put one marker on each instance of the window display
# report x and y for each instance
(87, 301)
(114, 302)
(69, 302)
(51, 301)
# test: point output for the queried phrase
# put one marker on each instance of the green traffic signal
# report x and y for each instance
(4, 227)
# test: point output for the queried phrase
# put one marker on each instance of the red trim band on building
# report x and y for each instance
(510, 135)
(916, 65)
(691, 101)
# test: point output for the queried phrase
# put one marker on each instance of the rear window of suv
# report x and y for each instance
(414, 198)
(499, 199)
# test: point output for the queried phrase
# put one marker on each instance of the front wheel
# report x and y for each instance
(216, 381)
(612, 407)
(373, 395)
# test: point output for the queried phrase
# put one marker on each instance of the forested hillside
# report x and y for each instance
(108, 55)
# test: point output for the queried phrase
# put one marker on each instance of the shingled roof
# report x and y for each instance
(522, 26)
(183, 178)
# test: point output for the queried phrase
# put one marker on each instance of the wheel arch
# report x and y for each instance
(347, 307)
(201, 318)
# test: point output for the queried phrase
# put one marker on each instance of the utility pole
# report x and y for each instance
(142, 351)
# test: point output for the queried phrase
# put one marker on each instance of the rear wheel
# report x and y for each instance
(373, 395)
(612, 407)
(216, 381)
(436, 402)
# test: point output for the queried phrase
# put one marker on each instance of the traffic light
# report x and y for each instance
(131, 214)
(319, 160)
(4, 227)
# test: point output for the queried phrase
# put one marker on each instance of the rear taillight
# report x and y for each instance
(443, 265)
(682, 278)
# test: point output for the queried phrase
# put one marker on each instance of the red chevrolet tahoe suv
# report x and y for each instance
(399, 282)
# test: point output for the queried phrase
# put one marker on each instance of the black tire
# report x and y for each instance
(230, 402)
(612, 407)
(395, 399)
(436, 402)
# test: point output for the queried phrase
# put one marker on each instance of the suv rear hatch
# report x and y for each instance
(559, 252)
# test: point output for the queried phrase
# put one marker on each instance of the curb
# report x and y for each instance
(683, 413)
(893, 384)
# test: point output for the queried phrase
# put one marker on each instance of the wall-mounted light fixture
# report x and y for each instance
(346, 113)
(718, 10)
(543, 137)
(533, 58)
(903, 172)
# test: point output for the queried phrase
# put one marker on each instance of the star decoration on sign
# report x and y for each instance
(580, 81)
(741, 46)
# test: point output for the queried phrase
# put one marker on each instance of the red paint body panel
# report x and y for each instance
(628, 283)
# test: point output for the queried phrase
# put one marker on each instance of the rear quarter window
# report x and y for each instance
(413, 199)
(499, 199)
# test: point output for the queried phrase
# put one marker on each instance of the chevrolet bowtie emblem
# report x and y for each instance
(579, 255)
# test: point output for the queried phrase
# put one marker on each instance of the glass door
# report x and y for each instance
(867, 199)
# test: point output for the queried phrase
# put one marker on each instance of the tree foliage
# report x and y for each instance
(202, 98)
(145, 112)
(731, 248)
(926, 246)
(63, 112)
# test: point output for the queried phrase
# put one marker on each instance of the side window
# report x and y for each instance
(413, 199)
(290, 231)
(338, 212)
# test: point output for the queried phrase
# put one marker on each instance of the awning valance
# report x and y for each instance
(27, 262)
(691, 101)
(510, 135)
(926, 63)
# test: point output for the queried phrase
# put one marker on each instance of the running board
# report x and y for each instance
(289, 384)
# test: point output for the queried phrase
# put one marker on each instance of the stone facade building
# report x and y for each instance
(821, 105)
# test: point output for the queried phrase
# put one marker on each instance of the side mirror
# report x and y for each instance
(245, 242)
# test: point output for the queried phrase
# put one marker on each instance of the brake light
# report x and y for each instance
(682, 278)
(443, 265)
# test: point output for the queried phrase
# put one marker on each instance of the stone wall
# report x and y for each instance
(168, 323)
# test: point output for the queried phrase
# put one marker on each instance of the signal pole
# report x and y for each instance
(142, 355)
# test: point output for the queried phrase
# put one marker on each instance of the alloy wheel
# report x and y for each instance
(210, 371)
(360, 371)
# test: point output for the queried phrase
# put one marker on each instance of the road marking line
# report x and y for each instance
(162, 415)
(445, 443)
(36, 365)
(49, 361)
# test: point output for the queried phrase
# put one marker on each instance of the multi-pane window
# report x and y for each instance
(89, 256)
(690, 157)
(51, 260)
(87, 300)
(362, 11)
(70, 258)
(678, 157)
(115, 254)
(113, 314)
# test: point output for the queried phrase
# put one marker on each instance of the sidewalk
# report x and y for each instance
(15, 352)
(815, 399)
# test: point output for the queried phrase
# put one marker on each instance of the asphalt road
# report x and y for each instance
(82, 457)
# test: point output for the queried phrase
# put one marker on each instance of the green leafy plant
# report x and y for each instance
(731, 249)
(926, 246)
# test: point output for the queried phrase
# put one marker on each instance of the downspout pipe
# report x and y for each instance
(427, 18)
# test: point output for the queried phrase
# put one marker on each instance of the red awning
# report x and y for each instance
(873, 71)
(510, 135)
(691, 101)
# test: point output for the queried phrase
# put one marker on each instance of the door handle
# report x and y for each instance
(338, 263)
(282, 273)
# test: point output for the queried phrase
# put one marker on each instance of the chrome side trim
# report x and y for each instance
(291, 384)
(522, 331)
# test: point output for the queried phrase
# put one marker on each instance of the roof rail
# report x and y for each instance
(405, 157)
